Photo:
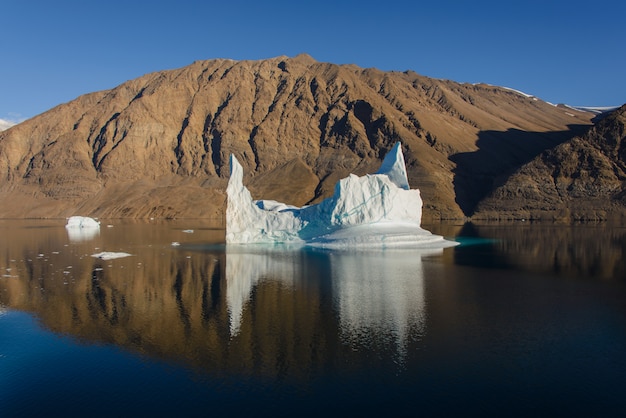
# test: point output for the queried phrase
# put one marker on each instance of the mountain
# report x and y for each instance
(158, 145)
(581, 179)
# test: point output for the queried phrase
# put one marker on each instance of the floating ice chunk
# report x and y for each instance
(82, 228)
(108, 255)
(376, 210)
(82, 222)
(381, 235)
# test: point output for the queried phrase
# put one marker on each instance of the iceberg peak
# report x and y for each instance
(246, 222)
(393, 166)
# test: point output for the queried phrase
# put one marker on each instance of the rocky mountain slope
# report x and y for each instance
(581, 179)
(158, 146)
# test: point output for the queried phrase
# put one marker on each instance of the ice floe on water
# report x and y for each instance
(82, 228)
(109, 255)
(388, 235)
(373, 211)
(81, 222)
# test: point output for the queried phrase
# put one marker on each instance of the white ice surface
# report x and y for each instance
(82, 228)
(375, 210)
(82, 222)
(108, 255)
(383, 234)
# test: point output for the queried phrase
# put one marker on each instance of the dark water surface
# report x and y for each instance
(520, 320)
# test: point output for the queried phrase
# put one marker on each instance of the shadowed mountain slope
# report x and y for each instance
(581, 179)
(158, 146)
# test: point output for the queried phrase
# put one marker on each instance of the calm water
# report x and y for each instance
(521, 320)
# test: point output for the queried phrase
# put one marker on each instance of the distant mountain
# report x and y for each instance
(581, 179)
(158, 146)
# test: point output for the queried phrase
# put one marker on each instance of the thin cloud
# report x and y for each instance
(13, 119)
(6, 124)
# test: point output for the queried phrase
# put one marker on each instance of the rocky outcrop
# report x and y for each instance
(581, 179)
(158, 146)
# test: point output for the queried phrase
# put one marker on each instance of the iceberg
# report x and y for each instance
(377, 210)
(110, 255)
(81, 222)
(82, 228)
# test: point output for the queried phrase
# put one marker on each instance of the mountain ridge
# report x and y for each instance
(158, 145)
(581, 179)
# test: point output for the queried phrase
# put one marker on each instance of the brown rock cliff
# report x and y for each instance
(581, 179)
(158, 146)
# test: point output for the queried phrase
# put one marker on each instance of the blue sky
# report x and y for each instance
(560, 51)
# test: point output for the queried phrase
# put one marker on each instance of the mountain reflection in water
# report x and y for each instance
(518, 320)
(213, 307)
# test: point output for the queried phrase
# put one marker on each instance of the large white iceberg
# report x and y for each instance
(376, 210)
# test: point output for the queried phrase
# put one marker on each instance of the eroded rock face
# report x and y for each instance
(581, 179)
(159, 145)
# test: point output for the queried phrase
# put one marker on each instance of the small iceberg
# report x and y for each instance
(81, 222)
(373, 211)
(108, 255)
(82, 228)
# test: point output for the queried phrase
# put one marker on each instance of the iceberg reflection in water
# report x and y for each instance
(380, 293)
(374, 292)
(77, 235)
(528, 318)
(246, 266)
